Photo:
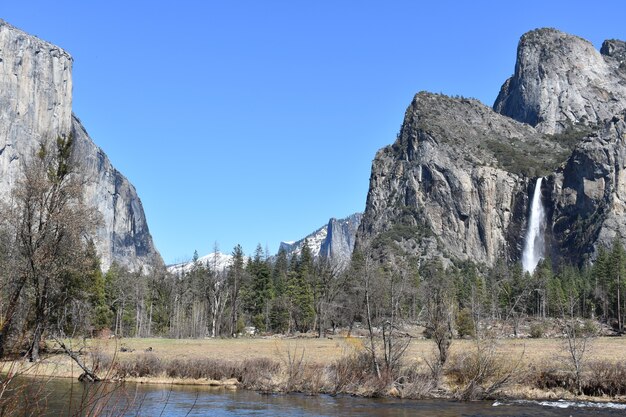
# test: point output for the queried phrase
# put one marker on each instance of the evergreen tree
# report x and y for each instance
(261, 290)
(279, 272)
(101, 312)
(617, 281)
(601, 278)
(299, 291)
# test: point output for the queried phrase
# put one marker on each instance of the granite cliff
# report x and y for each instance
(456, 182)
(561, 80)
(333, 241)
(36, 105)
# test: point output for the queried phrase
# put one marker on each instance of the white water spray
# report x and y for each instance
(534, 244)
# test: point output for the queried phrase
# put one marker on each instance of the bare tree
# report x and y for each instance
(437, 296)
(578, 338)
(52, 227)
(13, 280)
(368, 277)
(216, 292)
(393, 346)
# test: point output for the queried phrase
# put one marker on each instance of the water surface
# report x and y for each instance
(64, 397)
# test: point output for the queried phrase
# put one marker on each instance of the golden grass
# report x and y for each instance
(325, 351)
(531, 352)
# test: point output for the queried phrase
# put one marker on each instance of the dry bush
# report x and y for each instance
(537, 330)
(251, 373)
(101, 361)
(314, 379)
(199, 369)
(482, 371)
(605, 378)
(350, 371)
(142, 365)
(416, 383)
(552, 378)
(600, 378)
(257, 374)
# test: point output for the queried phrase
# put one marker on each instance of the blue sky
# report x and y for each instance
(254, 122)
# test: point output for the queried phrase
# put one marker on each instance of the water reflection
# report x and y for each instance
(64, 397)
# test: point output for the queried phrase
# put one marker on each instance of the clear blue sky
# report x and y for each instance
(256, 121)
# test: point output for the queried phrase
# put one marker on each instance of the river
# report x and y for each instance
(60, 397)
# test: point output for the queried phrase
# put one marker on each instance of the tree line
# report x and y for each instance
(52, 284)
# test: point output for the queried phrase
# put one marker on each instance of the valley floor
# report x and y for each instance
(283, 360)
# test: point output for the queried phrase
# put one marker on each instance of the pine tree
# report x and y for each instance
(617, 281)
(101, 312)
(299, 291)
(261, 290)
(601, 278)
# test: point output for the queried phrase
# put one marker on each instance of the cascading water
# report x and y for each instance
(534, 244)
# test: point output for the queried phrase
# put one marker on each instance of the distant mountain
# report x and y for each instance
(216, 261)
(334, 241)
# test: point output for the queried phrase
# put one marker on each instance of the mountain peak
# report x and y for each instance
(333, 241)
(556, 76)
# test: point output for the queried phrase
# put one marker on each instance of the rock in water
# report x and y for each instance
(36, 104)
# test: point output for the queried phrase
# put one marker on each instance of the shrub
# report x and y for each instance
(416, 384)
(605, 378)
(465, 323)
(350, 371)
(200, 369)
(100, 361)
(256, 373)
(481, 372)
(537, 330)
(142, 365)
(554, 378)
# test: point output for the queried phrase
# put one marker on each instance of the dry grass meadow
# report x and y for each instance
(324, 351)
(538, 367)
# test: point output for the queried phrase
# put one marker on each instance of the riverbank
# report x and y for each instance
(534, 369)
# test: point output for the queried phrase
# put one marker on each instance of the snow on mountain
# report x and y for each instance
(314, 240)
(334, 241)
(217, 261)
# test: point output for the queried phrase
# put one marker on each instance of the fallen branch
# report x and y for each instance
(88, 375)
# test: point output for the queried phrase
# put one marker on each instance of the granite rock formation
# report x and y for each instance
(35, 106)
(561, 80)
(456, 182)
(333, 241)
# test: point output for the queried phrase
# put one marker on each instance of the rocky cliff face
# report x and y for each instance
(36, 105)
(35, 98)
(588, 196)
(340, 239)
(456, 182)
(561, 80)
(334, 241)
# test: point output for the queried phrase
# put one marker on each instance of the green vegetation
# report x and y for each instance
(410, 226)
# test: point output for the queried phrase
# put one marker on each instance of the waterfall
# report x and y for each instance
(534, 244)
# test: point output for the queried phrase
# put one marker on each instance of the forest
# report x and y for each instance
(53, 286)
